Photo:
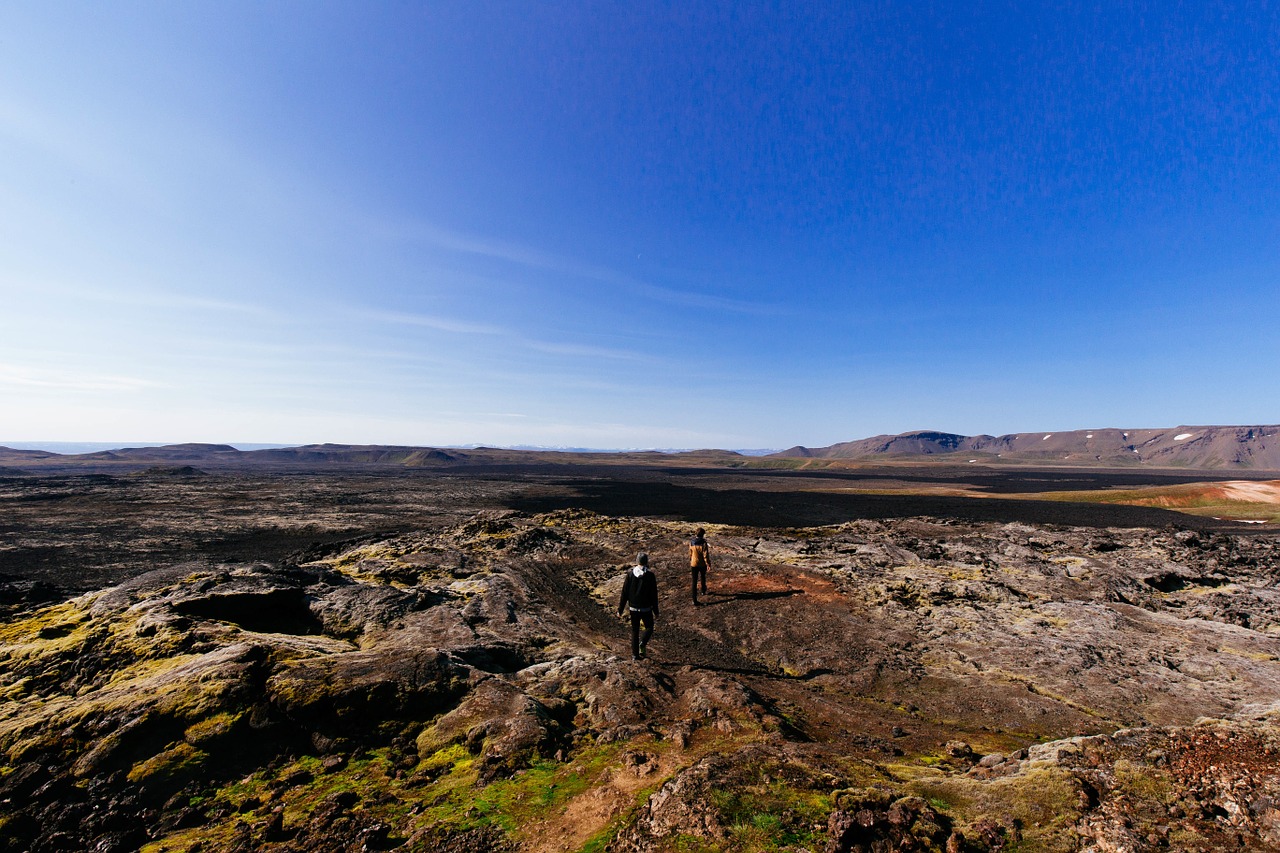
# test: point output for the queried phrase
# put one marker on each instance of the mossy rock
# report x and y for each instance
(215, 728)
(170, 768)
(854, 799)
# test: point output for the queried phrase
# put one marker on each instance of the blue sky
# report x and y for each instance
(634, 225)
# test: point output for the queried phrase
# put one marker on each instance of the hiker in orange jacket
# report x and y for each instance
(699, 562)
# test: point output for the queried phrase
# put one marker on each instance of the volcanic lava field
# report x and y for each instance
(370, 658)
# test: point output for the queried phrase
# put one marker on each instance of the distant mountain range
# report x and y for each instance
(170, 457)
(1256, 447)
(1201, 447)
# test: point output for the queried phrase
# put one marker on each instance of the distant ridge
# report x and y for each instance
(361, 453)
(1253, 447)
(225, 456)
(167, 453)
(1199, 447)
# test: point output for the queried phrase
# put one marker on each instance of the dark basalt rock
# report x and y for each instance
(20, 593)
(873, 825)
(278, 611)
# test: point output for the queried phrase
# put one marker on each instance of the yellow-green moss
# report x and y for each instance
(443, 791)
(212, 728)
(49, 630)
(447, 757)
(1045, 800)
(1144, 783)
(178, 761)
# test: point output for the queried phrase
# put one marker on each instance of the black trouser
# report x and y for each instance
(698, 573)
(638, 616)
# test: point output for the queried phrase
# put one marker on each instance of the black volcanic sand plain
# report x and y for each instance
(324, 658)
(82, 531)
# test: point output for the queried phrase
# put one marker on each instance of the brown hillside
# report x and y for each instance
(1251, 447)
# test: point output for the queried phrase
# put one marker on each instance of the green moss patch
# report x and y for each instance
(440, 794)
(1044, 802)
(773, 816)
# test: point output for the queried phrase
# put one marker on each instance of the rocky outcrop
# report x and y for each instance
(872, 821)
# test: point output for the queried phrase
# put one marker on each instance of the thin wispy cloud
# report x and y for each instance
(133, 297)
(37, 131)
(705, 300)
(17, 377)
(186, 303)
(586, 351)
(446, 324)
(430, 321)
(99, 152)
(537, 259)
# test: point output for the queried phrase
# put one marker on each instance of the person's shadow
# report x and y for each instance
(726, 597)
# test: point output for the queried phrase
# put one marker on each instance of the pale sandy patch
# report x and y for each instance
(1264, 492)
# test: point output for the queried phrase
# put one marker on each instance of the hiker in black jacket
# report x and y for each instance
(640, 593)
